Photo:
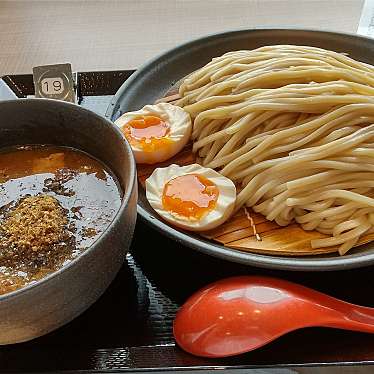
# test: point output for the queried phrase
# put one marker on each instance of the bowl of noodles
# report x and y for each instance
(288, 117)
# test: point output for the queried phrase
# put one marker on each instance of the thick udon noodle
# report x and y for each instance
(294, 128)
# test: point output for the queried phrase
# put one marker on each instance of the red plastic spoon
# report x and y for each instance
(237, 315)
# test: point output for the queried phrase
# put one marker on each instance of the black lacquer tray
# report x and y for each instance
(130, 328)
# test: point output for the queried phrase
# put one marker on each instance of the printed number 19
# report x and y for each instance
(52, 86)
(56, 86)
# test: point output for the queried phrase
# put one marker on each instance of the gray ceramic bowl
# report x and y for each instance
(158, 76)
(58, 298)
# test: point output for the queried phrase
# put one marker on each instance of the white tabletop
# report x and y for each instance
(110, 35)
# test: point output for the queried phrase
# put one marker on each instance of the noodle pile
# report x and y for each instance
(293, 127)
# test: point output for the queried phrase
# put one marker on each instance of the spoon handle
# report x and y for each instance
(353, 317)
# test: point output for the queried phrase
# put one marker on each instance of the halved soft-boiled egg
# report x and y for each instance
(191, 197)
(156, 132)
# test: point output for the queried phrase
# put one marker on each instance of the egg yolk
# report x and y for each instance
(147, 132)
(190, 195)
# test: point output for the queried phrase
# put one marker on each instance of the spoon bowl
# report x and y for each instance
(240, 314)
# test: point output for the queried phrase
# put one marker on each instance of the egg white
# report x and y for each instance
(179, 134)
(213, 218)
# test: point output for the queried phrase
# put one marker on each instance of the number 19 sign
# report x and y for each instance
(54, 82)
(52, 86)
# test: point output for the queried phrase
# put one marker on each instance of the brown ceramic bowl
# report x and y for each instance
(41, 307)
